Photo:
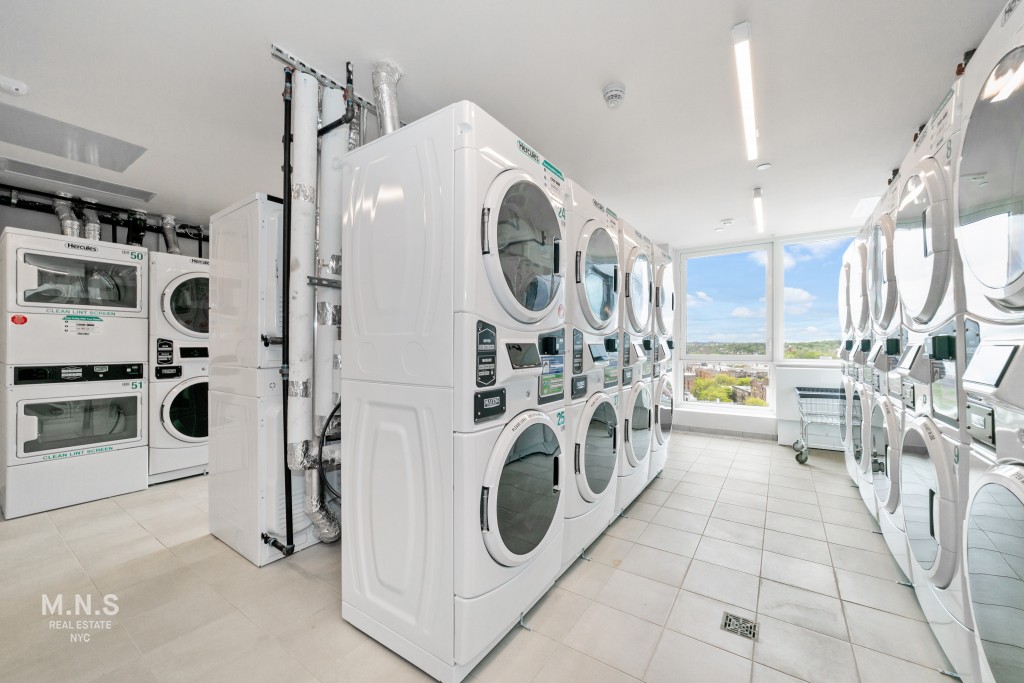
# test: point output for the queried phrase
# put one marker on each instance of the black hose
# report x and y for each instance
(320, 453)
(286, 259)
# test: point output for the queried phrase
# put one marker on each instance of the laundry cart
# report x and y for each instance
(822, 414)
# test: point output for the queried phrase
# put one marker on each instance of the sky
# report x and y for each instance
(725, 294)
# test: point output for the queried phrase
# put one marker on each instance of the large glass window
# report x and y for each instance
(722, 382)
(810, 297)
(726, 304)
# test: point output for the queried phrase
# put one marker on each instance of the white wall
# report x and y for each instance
(36, 220)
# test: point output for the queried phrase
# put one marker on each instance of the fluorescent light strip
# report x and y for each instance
(745, 75)
(759, 208)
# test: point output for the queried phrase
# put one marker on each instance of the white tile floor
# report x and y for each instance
(731, 525)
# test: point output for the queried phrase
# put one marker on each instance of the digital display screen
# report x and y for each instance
(597, 352)
(989, 364)
(194, 352)
(909, 357)
(523, 355)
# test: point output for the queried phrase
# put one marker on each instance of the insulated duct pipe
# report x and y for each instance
(69, 224)
(385, 92)
(92, 224)
(170, 235)
(305, 96)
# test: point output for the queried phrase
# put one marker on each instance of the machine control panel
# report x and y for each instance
(194, 352)
(55, 374)
(577, 352)
(164, 351)
(488, 405)
(551, 385)
(579, 386)
(165, 372)
(908, 394)
(486, 354)
(981, 423)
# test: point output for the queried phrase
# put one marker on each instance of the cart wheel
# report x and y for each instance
(801, 457)
(798, 445)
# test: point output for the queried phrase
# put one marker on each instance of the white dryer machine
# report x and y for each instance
(453, 386)
(661, 355)
(179, 357)
(72, 300)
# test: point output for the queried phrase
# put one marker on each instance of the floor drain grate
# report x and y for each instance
(740, 626)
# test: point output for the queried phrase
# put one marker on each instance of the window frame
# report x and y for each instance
(778, 256)
(769, 301)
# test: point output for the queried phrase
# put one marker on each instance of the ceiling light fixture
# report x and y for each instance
(759, 208)
(745, 74)
(764, 167)
(864, 208)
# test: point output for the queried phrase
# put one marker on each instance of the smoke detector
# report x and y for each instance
(614, 93)
(12, 86)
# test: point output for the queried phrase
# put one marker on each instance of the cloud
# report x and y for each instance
(797, 301)
(759, 256)
(697, 299)
(788, 261)
(744, 312)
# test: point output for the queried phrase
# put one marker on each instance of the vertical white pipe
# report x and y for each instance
(333, 146)
(305, 96)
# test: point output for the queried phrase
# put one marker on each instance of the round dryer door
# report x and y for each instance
(885, 438)
(859, 287)
(666, 403)
(638, 289)
(185, 410)
(923, 236)
(521, 489)
(929, 500)
(665, 299)
(597, 275)
(637, 426)
(992, 186)
(995, 570)
(186, 305)
(596, 457)
(881, 275)
(522, 246)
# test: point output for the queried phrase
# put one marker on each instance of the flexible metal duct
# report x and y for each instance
(325, 522)
(92, 224)
(69, 224)
(385, 93)
(170, 235)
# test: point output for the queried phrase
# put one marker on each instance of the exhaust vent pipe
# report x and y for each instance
(385, 93)
(69, 223)
(92, 224)
(170, 235)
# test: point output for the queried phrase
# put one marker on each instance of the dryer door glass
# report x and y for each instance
(600, 277)
(992, 181)
(640, 424)
(528, 235)
(919, 485)
(55, 425)
(666, 299)
(921, 244)
(188, 413)
(665, 406)
(189, 304)
(599, 452)
(640, 291)
(995, 570)
(880, 463)
(528, 489)
(66, 281)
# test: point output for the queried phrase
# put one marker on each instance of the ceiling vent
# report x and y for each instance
(35, 177)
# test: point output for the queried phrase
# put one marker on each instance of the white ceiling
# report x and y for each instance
(840, 88)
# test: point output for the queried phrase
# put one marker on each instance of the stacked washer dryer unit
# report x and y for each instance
(991, 242)
(662, 388)
(246, 461)
(885, 423)
(882, 417)
(592, 342)
(453, 412)
(73, 358)
(855, 384)
(636, 311)
(179, 355)
(933, 479)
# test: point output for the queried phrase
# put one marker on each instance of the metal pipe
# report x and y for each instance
(69, 223)
(170, 236)
(385, 92)
(92, 224)
(325, 523)
(289, 546)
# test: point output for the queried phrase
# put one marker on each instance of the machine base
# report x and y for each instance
(177, 474)
(581, 531)
(957, 640)
(41, 486)
(896, 539)
(174, 463)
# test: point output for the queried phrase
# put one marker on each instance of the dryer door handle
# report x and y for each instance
(558, 255)
(615, 279)
(554, 485)
(625, 431)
